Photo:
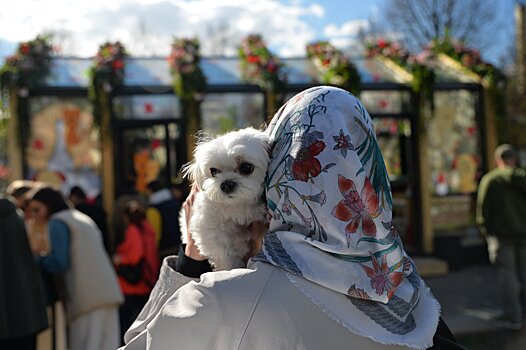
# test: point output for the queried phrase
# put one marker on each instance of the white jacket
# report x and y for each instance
(91, 282)
(240, 309)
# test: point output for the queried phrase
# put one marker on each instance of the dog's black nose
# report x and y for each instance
(228, 186)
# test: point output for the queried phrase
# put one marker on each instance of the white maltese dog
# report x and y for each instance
(229, 172)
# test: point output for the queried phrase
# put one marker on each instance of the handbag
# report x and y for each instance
(131, 273)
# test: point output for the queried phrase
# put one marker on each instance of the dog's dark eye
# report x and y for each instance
(214, 171)
(246, 169)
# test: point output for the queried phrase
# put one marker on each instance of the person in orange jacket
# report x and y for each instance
(137, 263)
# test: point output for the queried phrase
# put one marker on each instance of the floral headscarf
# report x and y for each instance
(330, 209)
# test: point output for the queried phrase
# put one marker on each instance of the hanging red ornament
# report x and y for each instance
(156, 144)
(38, 144)
(148, 107)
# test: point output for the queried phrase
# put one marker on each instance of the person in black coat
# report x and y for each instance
(22, 298)
(78, 197)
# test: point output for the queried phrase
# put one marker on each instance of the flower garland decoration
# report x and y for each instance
(30, 64)
(189, 82)
(334, 67)
(24, 70)
(419, 66)
(259, 66)
(106, 74)
(469, 58)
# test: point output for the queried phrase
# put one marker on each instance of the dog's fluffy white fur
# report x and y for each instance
(229, 171)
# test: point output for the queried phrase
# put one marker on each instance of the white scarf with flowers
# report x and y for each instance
(330, 208)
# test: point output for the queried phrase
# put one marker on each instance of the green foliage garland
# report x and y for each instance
(334, 67)
(106, 73)
(25, 70)
(469, 58)
(189, 82)
(418, 65)
(259, 66)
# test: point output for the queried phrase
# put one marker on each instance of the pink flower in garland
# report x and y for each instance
(118, 64)
(259, 66)
(252, 59)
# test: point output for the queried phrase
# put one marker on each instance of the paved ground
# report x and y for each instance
(470, 299)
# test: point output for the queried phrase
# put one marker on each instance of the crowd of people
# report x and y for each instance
(62, 273)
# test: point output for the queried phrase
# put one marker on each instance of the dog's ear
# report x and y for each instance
(265, 141)
(189, 170)
(192, 172)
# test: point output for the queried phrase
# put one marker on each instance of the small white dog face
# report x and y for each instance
(231, 168)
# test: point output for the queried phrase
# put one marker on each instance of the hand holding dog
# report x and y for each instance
(191, 249)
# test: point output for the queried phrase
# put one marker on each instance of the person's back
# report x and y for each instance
(164, 208)
(501, 215)
(503, 207)
(151, 256)
(254, 309)
(332, 271)
(90, 267)
(22, 298)
(93, 210)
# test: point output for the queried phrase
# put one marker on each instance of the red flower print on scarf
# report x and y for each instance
(305, 166)
(382, 278)
(356, 208)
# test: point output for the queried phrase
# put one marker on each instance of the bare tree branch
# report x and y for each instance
(476, 22)
(221, 39)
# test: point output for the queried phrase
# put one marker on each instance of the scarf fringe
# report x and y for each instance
(420, 346)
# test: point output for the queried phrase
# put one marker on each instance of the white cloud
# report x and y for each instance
(346, 36)
(347, 29)
(317, 10)
(148, 26)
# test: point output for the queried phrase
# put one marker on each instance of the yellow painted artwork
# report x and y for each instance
(77, 132)
(80, 146)
(43, 137)
(146, 169)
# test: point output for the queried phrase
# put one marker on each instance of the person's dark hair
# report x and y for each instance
(135, 213)
(183, 189)
(51, 198)
(78, 192)
(155, 185)
(506, 152)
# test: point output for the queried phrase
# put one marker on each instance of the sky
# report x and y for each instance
(146, 27)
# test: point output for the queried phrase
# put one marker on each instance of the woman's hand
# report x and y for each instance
(191, 249)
